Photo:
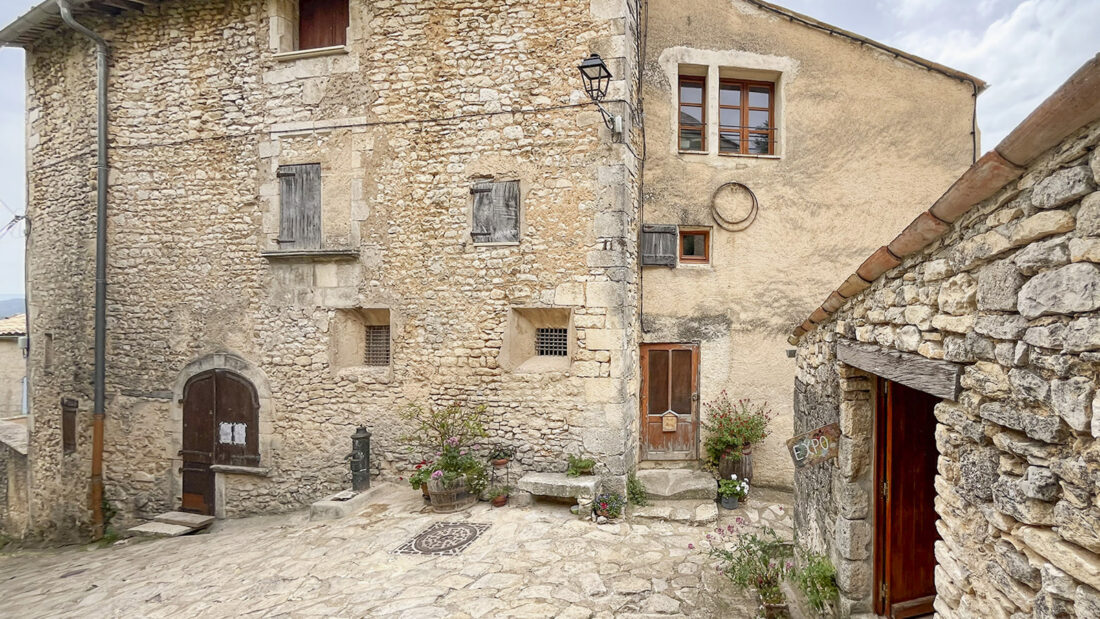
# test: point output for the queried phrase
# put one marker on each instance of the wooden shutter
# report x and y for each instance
(322, 23)
(300, 206)
(496, 212)
(658, 245)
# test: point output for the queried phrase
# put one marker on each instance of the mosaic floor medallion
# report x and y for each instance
(445, 539)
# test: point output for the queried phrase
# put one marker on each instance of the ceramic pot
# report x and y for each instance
(500, 501)
(499, 462)
(730, 502)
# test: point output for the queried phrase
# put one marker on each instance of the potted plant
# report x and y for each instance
(731, 430)
(609, 505)
(498, 495)
(458, 478)
(579, 466)
(732, 491)
(500, 456)
(419, 479)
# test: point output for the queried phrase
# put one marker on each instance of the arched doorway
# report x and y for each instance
(221, 414)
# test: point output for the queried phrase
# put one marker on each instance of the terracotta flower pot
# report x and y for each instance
(499, 462)
(500, 501)
(424, 491)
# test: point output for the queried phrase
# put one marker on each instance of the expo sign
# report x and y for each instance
(816, 446)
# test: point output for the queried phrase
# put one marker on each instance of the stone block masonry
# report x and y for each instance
(1004, 297)
(427, 98)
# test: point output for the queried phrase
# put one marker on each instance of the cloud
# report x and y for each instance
(908, 9)
(1024, 56)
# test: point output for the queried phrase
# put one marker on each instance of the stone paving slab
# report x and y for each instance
(160, 529)
(675, 484)
(536, 562)
(185, 519)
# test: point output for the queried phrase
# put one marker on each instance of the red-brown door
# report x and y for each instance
(905, 515)
(670, 401)
(220, 423)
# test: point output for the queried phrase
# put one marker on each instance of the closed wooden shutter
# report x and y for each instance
(658, 245)
(496, 212)
(300, 206)
(322, 23)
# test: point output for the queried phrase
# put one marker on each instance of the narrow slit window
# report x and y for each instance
(695, 246)
(693, 113)
(68, 425)
(746, 118)
(551, 342)
(377, 345)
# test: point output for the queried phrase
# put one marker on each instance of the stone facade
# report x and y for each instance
(425, 98)
(815, 198)
(1011, 295)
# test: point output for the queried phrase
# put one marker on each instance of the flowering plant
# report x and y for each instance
(454, 462)
(421, 475)
(609, 505)
(731, 426)
(733, 487)
(760, 561)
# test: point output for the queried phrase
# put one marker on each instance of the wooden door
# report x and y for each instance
(237, 415)
(905, 515)
(670, 401)
(199, 397)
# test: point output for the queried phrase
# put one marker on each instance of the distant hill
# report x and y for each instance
(12, 306)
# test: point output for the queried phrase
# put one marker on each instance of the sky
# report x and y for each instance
(1024, 49)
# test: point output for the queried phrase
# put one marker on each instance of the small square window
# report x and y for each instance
(695, 246)
(377, 345)
(551, 342)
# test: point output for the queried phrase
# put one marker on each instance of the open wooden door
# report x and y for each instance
(905, 515)
(670, 401)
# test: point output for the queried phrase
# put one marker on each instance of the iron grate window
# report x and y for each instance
(551, 342)
(378, 345)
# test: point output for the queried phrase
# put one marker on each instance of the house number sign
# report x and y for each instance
(815, 446)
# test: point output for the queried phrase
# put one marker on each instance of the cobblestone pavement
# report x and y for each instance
(532, 562)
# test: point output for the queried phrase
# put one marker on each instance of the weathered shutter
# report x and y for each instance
(300, 206)
(658, 245)
(496, 212)
(322, 23)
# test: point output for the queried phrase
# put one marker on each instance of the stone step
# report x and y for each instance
(559, 485)
(678, 484)
(692, 512)
(159, 529)
(185, 519)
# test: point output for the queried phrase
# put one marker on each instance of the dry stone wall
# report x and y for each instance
(427, 97)
(1012, 294)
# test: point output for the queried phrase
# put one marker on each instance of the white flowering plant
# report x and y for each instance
(733, 487)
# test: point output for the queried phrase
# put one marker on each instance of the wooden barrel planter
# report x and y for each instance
(730, 465)
(450, 497)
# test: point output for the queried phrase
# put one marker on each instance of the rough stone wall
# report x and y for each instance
(13, 492)
(855, 146)
(1012, 293)
(12, 370)
(428, 97)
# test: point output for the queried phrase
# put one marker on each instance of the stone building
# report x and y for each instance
(960, 362)
(13, 426)
(322, 211)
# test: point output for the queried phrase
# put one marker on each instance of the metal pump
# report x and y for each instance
(360, 459)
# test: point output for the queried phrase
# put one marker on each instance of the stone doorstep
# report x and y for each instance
(559, 485)
(184, 519)
(693, 512)
(330, 508)
(677, 484)
(159, 529)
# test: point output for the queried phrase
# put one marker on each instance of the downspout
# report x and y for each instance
(96, 498)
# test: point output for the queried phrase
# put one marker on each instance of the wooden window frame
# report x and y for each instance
(743, 131)
(680, 126)
(705, 258)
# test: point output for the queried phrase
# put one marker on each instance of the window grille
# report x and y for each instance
(551, 342)
(378, 345)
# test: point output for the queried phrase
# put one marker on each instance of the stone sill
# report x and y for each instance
(505, 244)
(702, 153)
(544, 365)
(311, 53)
(240, 470)
(368, 374)
(311, 254)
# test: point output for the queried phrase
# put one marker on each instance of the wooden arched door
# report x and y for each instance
(220, 426)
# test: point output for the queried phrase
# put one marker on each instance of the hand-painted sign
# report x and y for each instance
(815, 446)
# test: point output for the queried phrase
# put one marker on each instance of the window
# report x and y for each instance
(658, 245)
(746, 118)
(377, 345)
(495, 212)
(551, 342)
(695, 246)
(68, 425)
(322, 23)
(299, 206)
(693, 113)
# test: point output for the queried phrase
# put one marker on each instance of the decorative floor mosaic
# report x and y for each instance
(445, 539)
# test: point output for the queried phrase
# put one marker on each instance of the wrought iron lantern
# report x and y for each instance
(596, 78)
(360, 459)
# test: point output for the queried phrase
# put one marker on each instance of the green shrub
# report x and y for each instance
(636, 492)
(579, 466)
(609, 505)
(816, 579)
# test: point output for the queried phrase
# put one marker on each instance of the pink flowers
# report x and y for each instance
(437, 474)
(691, 546)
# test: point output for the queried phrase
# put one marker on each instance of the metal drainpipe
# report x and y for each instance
(96, 498)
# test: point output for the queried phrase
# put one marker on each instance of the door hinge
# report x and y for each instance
(885, 489)
(883, 590)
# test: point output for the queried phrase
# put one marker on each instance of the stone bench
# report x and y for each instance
(560, 485)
